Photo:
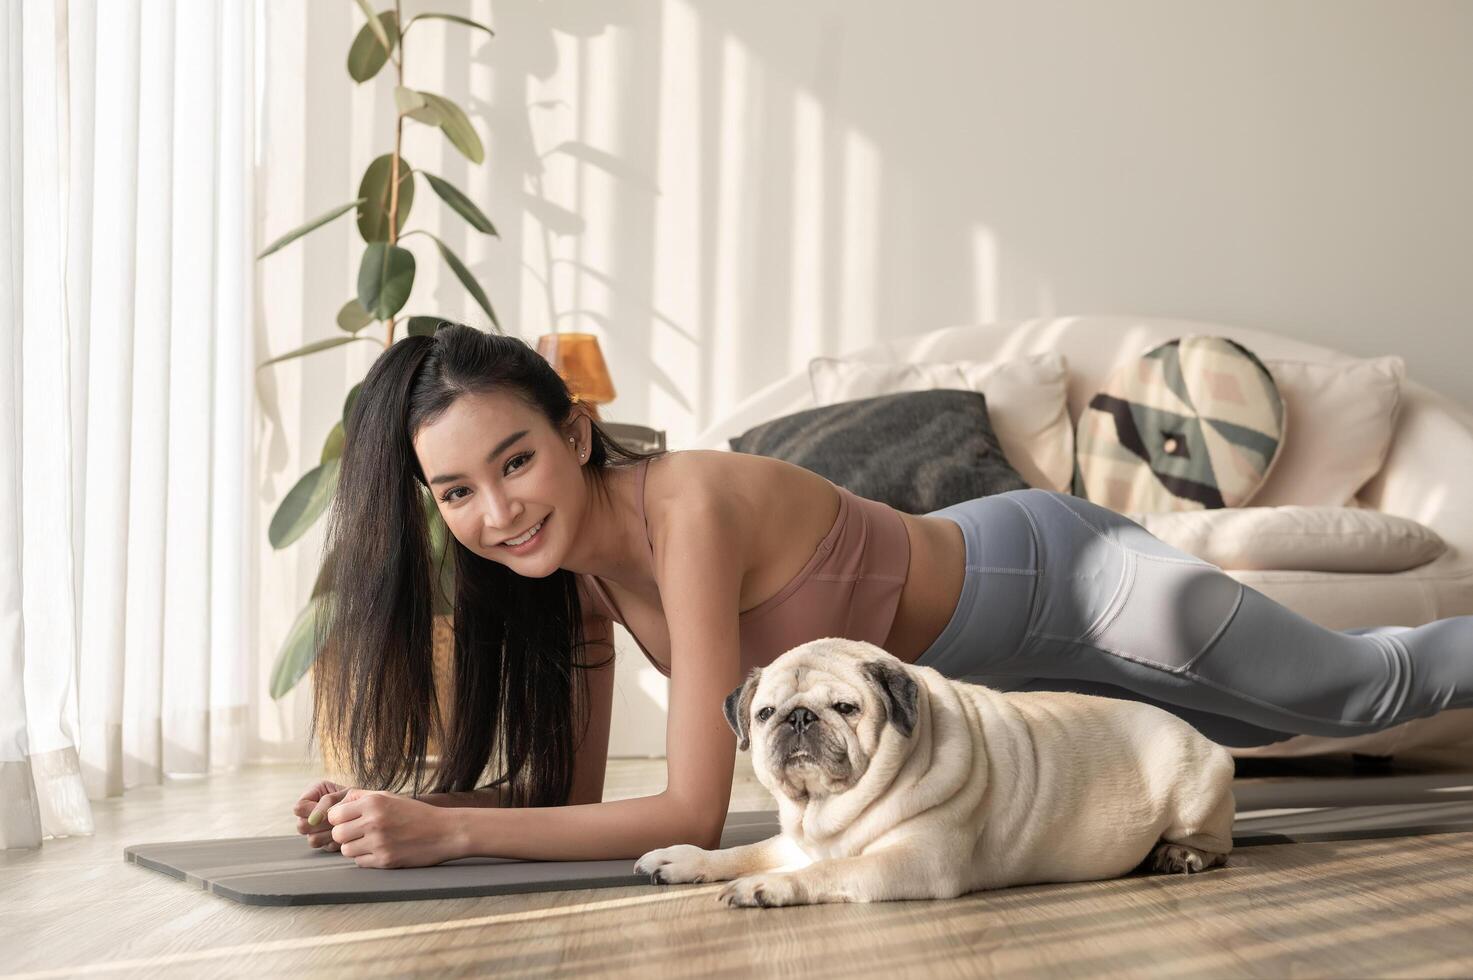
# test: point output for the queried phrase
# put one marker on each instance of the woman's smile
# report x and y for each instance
(528, 540)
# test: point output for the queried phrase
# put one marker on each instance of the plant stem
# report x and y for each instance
(394, 166)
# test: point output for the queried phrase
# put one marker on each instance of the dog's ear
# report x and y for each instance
(899, 693)
(737, 706)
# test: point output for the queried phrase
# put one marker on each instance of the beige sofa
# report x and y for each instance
(1425, 477)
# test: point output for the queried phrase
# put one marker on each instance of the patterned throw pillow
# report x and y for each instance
(917, 451)
(1194, 424)
(1027, 402)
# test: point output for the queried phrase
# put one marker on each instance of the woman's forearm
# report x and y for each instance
(490, 796)
(583, 831)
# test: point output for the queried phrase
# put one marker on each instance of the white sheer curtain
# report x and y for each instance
(125, 298)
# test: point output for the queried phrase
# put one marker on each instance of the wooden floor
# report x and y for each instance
(1381, 907)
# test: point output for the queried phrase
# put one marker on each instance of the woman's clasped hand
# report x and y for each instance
(375, 828)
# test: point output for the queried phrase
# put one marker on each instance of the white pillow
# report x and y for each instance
(1318, 539)
(1338, 420)
(1027, 402)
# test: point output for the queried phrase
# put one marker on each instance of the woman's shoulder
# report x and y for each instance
(708, 476)
(744, 492)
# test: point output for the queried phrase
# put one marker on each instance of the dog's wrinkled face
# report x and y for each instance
(814, 716)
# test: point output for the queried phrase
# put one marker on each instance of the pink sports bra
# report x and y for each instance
(849, 588)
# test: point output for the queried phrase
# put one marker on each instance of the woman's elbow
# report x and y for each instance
(705, 832)
(699, 825)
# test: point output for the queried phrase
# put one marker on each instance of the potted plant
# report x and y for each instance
(386, 276)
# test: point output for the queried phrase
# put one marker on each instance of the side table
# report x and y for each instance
(640, 438)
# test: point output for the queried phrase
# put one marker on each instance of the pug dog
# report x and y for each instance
(895, 782)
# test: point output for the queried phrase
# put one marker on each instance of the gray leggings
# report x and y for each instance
(1065, 595)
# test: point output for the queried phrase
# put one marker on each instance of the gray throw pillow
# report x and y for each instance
(917, 451)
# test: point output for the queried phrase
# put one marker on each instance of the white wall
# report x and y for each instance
(723, 190)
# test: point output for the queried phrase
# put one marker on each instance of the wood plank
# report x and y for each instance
(1342, 908)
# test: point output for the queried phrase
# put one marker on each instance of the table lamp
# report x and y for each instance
(579, 362)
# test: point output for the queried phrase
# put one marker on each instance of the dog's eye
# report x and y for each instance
(764, 714)
(845, 708)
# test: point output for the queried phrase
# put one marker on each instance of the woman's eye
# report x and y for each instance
(511, 467)
(764, 714)
(845, 708)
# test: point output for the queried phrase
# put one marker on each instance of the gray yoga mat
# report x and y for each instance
(288, 871)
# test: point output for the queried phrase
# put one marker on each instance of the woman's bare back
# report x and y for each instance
(782, 513)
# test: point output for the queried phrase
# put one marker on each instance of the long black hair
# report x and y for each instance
(520, 651)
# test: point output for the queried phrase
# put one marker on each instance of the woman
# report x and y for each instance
(717, 563)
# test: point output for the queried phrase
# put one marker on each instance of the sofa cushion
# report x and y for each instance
(1027, 402)
(916, 451)
(1339, 421)
(1193, 424)
(1326, 539)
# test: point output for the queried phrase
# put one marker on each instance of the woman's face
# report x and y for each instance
(498, 470)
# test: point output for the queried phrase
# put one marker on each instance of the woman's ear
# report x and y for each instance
(579, 432)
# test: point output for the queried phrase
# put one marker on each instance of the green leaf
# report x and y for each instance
(304, 503)
(463, 205)
(407, 99)
(413, 105)
(314, 347)
(373, 191)
(457, 127)
(324, 575)
(298, 652)
(333, 447)
(315, 223)
(370, 50)
(424, 326)
(374, 25)
(458, 20)
(350, 401)
(353, 317)
(385, 279)
(466, 279)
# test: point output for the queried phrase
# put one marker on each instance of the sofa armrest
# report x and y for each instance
(1428, 473)
(783, 397)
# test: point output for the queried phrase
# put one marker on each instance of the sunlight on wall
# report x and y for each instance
(728, 328)
(984, 274)
(860, 241)
(602, 69)
(678, 230)
(805, 334)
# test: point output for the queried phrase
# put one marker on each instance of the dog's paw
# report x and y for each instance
(1181, 859)
(675, 865)
(763, 890)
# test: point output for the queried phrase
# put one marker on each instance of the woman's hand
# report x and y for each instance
(384, 830)
(311, 812)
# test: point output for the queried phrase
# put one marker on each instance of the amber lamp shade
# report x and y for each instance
(577, 359)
